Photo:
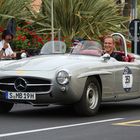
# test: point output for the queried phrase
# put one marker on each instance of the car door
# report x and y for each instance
(126, 80)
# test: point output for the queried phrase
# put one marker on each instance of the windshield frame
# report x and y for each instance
(87, 47)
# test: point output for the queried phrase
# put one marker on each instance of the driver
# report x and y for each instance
(109, 46)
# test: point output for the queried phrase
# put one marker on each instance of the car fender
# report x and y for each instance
(91, 73)
(85, 75)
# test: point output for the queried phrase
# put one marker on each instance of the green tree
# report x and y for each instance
(85, 18)
(27, 22)
(15, 9)
(88, 19)
(22, 11)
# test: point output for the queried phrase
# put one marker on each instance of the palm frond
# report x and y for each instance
(88, 19)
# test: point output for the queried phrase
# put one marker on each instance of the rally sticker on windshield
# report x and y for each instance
(127, 79)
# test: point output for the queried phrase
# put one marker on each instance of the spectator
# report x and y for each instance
(5, 48)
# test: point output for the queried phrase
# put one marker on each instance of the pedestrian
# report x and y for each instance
(5, 48)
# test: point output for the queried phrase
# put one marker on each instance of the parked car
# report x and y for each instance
(83, 78)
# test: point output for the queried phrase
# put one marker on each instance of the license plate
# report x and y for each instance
(20, 95)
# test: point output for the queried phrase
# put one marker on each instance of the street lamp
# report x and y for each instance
(52, 22)
(134, 9)
(52, 25)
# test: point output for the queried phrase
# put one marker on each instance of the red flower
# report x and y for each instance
(23, 38)
(1, 29)
(26, 30)
(19, 37)
(18, 28)
(32, 33)
(29, 44)
(129, 45)
(28, 23)
(40, 40)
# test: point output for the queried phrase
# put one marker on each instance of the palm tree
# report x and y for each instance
(14, 9)
(21, 11)
(88, 19)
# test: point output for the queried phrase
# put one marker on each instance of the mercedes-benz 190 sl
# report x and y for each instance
(82, 78)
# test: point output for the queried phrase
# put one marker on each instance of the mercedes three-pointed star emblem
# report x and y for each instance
(20, 84)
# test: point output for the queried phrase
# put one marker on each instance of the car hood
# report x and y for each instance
(49, 62)
(5, 62)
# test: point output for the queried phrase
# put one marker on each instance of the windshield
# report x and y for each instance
(53, 47)
(88, 48)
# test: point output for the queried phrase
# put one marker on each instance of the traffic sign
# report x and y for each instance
(134, 24)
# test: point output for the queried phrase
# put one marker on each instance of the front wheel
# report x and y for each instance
(5, 107)
(91, 98)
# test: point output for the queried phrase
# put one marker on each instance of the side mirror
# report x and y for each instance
(23, 55)
(106, 57)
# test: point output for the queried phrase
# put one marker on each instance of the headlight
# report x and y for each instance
(62, 77)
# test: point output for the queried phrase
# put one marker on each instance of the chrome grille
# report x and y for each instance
(34, 84)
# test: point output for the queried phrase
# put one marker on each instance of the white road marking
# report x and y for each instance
(57, 127)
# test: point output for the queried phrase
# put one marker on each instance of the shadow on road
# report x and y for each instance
(106, 109)
(119, 108)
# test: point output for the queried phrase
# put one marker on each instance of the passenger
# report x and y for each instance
(5, 48)
(109, 46)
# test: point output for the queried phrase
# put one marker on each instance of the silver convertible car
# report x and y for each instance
(82, 78)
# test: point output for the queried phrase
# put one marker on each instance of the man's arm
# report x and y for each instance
(2, 51)
(118, 57)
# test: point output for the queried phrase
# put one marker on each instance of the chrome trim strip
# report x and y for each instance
(12, 84)
(37, 93)
(39, 84)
